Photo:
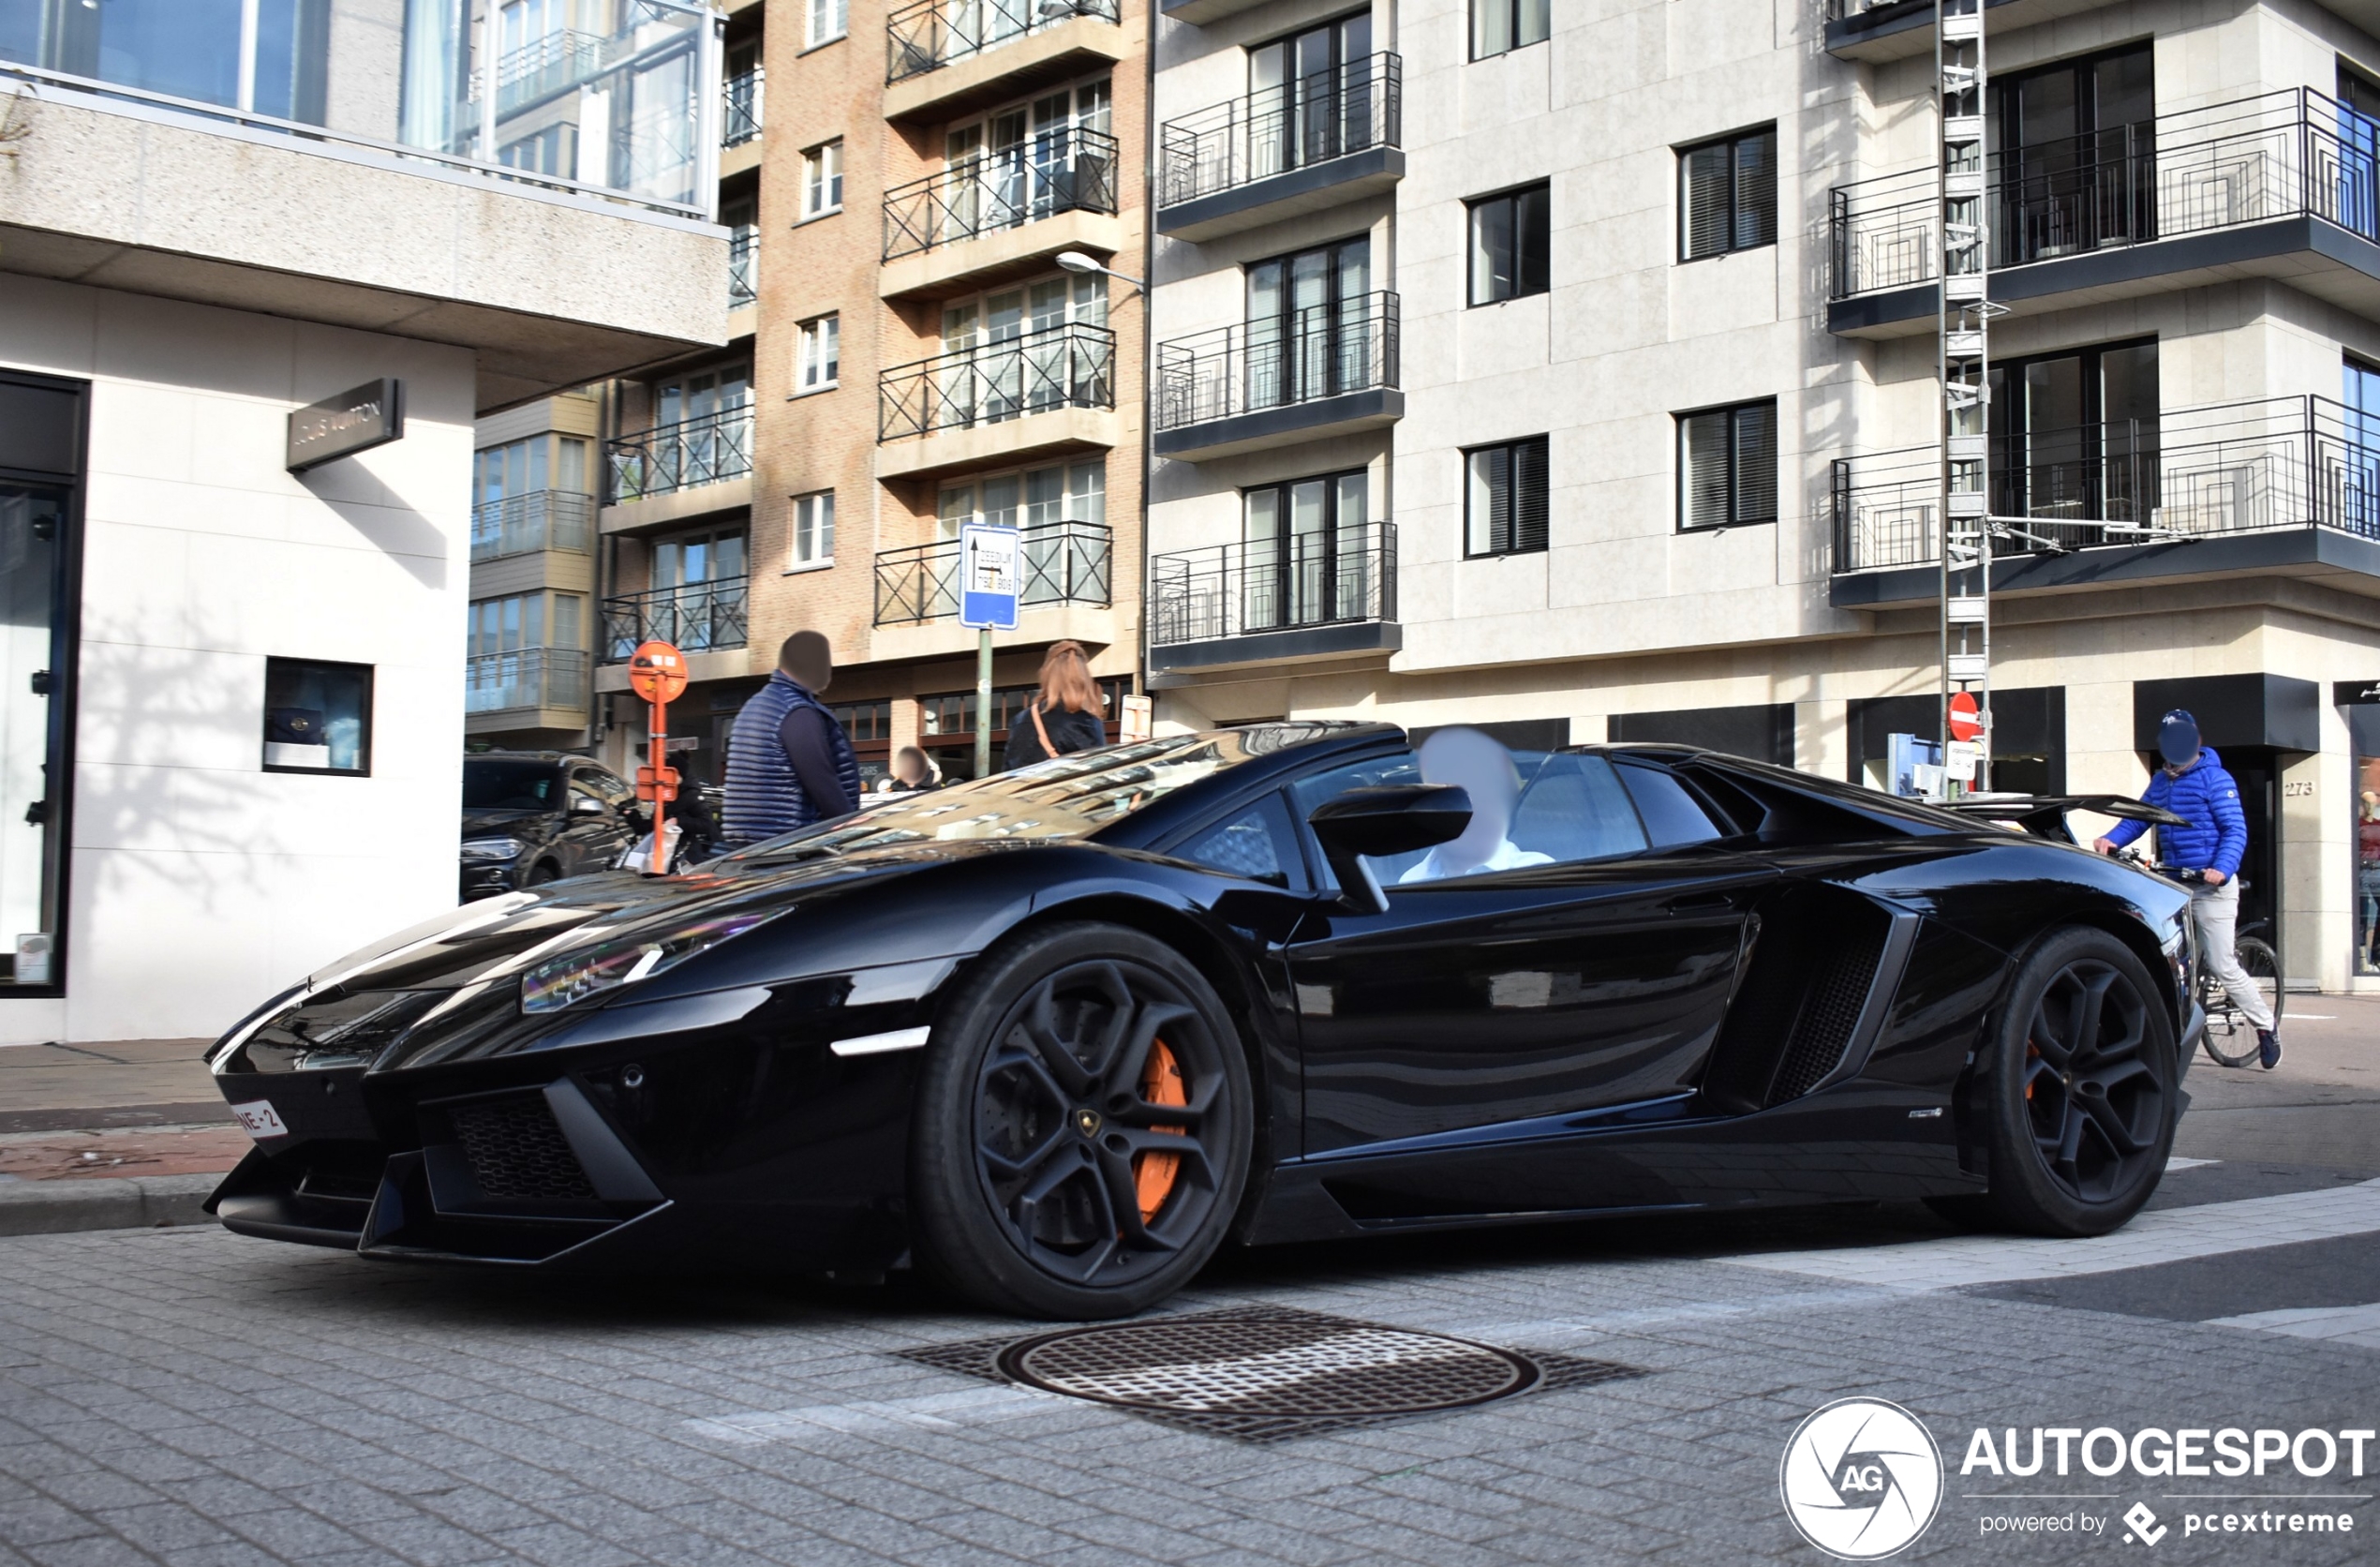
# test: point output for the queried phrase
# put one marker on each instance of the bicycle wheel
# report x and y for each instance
(2230, 1038)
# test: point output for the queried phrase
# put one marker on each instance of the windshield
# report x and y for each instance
(510, 785)
(1070, 796)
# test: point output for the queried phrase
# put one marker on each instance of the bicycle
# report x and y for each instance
(2230, 1039)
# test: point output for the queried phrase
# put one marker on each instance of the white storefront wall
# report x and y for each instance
(199, 883)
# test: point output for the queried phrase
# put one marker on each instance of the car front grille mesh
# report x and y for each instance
(517, 1150)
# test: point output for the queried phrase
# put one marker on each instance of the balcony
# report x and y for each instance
(743, 270)
(991, 217)
(1049, 389)
(1318, 141)
(534, 687)
(674, 471)
(531, 523)
(1067, 563)
(695, 618)
(1310, 596)
(1327, 370)
(1879, 30)
(2266, 186)
(944, 57)
(740, 108)
(2285, 484)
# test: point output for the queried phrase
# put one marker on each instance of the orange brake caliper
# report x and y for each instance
(1152, 1173)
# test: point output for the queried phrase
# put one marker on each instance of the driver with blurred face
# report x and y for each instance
(1480, 764)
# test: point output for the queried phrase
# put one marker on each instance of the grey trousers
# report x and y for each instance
(2215, 910)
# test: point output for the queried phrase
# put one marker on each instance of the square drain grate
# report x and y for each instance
(1266, 1374)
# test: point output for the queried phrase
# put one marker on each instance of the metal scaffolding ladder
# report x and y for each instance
(1964, 368)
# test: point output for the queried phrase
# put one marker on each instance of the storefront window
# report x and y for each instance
(318, 717)
(33, 709)
(2364, 726)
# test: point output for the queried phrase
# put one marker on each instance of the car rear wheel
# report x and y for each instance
(1082, 1130)
(2083, 1092)
(543, 871)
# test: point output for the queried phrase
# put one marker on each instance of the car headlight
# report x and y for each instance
(491, 849)
(558, 983)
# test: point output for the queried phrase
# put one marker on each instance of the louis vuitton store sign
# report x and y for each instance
(356, 420)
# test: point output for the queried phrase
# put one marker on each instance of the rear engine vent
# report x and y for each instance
(1813, 958)
(1829, 1012)
(517, 1150)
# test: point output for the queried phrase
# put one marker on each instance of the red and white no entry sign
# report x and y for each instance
(1965, 719)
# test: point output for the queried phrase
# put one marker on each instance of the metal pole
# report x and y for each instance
(983, 703)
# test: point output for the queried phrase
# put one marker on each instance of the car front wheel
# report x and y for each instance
(2083, 1092)
(1083, 1129)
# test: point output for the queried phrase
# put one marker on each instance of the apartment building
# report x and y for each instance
(1572, 369)
(264, 264)
(907, 354)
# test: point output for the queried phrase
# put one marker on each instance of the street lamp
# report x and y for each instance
(1075, 261)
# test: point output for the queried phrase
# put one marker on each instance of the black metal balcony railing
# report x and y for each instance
(2284, 154)
(1310, 120)
(1324, 351)
(536, 521)
(743, 269)
(1072, 364)
(932, 34)
(1069, 169)
(2194, 473)
(527, 678)
(739, 118)
(1308, 579)
(696, 618)
(705, 450)
(1843, 10)
(1064, 562)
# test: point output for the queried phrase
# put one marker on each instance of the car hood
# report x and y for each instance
(487, 824)
(495, 935)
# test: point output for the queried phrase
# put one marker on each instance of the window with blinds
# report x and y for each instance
(1511, 244)
(1727, 466)
(1727, 195)
(1504, 498)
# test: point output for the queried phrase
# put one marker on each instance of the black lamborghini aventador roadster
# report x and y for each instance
(1056, 1036)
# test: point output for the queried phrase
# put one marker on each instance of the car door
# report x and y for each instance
(1594, 975)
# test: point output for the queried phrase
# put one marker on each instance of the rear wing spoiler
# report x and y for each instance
(2045, 815)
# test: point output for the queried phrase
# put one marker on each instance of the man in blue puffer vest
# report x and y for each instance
(2194, 786)
(789, 763)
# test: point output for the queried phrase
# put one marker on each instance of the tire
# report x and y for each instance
(543, 871)
(2083, 1092)
(1039, 1177)
(2230, 1038)
(2263, 965)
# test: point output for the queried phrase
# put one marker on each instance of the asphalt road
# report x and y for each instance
(188, 1398)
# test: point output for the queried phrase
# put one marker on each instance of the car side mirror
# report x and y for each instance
(583, 806)
(1391, 818)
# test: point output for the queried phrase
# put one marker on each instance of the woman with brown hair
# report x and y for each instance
(1063, 717)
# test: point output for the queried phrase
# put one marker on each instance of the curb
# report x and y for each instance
(104, 1203)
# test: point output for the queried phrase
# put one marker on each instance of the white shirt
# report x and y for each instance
(1503, 857)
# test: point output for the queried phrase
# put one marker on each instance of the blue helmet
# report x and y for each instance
(2177, 738)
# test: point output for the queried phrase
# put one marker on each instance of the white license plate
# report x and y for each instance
(261, 1119)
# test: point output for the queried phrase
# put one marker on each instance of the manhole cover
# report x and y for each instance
(1263, 1375)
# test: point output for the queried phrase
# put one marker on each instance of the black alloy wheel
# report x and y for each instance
(1083, 1127)
(2083, 1092)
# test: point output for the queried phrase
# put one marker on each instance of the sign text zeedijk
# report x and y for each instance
(357, 420)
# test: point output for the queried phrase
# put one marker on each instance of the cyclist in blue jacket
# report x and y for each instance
(2194, 786)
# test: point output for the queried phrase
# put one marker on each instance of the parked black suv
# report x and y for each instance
(535, 816)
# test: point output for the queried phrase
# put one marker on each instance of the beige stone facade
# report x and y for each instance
(923, 217)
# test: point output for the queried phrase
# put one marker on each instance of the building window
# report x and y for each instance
(1499, 26)
(814, 529)
(829, 20)
(1727, 195)
(510, 624)
(1504, 498)
(1727, 465)
(1310, 555)
(1511, 244)
(1036, 498)
(821, 189)
(318, 716)
(822, 355)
